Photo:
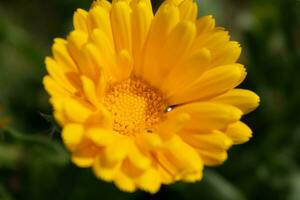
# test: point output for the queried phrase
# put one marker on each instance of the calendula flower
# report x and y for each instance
(145, 99)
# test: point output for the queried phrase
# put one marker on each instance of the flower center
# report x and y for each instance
(135, 106)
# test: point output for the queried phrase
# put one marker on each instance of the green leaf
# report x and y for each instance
(51, 149)
(223, 187)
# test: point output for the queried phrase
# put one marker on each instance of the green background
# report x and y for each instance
(34, 164)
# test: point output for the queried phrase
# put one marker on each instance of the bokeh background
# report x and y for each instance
(34, 164)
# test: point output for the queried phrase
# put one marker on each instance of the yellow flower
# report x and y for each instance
(148, 99)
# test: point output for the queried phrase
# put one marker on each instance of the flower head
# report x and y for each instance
(148, 99)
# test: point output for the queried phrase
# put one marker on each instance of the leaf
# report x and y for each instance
(294, 193)
(51, 149)
(223, 187)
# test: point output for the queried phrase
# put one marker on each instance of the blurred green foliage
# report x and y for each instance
(34, 164)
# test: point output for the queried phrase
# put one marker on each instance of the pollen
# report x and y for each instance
(135, 106)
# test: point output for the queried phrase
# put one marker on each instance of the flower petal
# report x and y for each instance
(99, 18)
(72, 135)
(149, 181)
(117, 151)
(54, 89)
(104, 172)
(214, 141)
(213, 82)
(62, 56)
(185, 72)
(228, 54)
(83, 162)
(206, 116)
(89, 90)
(76, 111)
(137, 158)
(245, 100)
(212, 158)
(205, 24)
(164, 21)
(79, 19)
(84, 155)
(102, 137)
(174, 50)
(188, 10)
(142, 16)
(101, 3)
(239, 132)
(125, 183)
(76, 42)
(121, 25)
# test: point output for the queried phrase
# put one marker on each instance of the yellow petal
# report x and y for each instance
(188, 158)
(124, 183)
(117, 151)
(149, 181)
(164, 21)
(54, 89)
(76, 111)
(105, 173)
(89, 90)
(76, 42)
(173, 124)
(115, 68)
(165, 176)
(85, 154)
(192, 177)
(137, 158)
(57, 102)
(214, 141)
(148, 141)
(58, 106)
(182, 159)
(168, 170)
(245, 100)
(214, 40)
(83, 162)
(103, 53)
(80, 20)
(205, 24)
(176, 46)
(103, 60)
(99, 18)
(186, 72)
(102, 137)
(188, 10)
(239, 132)
(121, 25)
(228, 54)
(105, 117)
(62, 56)
(102, 3)
(205, 116)
(102, 42)
(101, 86)
(212, 158)
(212, 83)
(125, 65)
(59, 75)
(72, 135)
(142, 16)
